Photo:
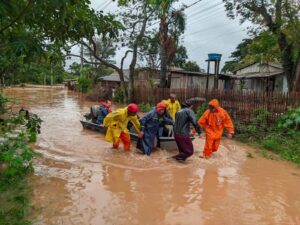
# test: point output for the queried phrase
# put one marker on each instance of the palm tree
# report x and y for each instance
(172, 25)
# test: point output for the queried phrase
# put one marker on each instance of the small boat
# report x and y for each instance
(167, 143)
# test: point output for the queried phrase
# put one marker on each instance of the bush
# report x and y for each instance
(201, 109)
(282, 137)
(3, 103)
(15, 162)
(83, 84)
(119, 96)
(290, 120)
(145, 107)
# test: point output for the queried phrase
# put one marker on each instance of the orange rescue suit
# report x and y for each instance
(214, 123)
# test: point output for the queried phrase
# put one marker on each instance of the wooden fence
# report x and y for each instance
(241, 105)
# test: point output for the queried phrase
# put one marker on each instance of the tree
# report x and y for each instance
(279, 17)
(180, 56)
(29, 28)
(149, 50)
(135, 16)
(191, 66)
(237, 56)
(171, 26)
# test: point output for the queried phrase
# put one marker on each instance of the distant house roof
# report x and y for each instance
(116, 77)
(200, 74)
(275, 65)
(259, 70)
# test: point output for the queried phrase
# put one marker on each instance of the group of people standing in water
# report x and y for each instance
(166, 115)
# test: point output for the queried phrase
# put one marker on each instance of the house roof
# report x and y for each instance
(259, 70)
(200, 74)
(116, 77)
(258, 75)
(275, 65)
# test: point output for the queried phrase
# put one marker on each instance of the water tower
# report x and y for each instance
(216, 58)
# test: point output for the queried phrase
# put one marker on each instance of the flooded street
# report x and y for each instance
(80, 179)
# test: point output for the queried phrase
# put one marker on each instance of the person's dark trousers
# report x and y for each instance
(185, 147)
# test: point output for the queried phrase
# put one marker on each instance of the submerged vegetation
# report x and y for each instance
(16, 132)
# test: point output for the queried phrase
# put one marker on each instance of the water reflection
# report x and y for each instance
(81, 180)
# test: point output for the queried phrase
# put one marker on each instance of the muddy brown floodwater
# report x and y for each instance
(80, 179)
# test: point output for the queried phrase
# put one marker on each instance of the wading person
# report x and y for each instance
(213, 121)
(104, 110)
(185, 117)
(150, 125)
(117, 123)
(173, 105)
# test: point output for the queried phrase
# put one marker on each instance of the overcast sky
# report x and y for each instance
(208, 30)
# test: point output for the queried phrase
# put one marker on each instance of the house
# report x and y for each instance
(112, 81)
(180, 79)
(260, 77)
(146, 77)
(176, 79)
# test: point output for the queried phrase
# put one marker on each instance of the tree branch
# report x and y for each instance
(94, 50)
(262, 10)
(18, 17)
(278, 12)
(124, 57)
(85, 60)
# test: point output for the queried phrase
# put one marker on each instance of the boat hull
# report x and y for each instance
(167, 143)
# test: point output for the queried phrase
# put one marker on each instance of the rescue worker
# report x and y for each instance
(150, 125)
(173, 105)
(184, 117)
(104, 110)
(213, 121)
(117, 125)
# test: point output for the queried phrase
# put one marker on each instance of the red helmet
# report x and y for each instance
(161, 106)
(133, 108)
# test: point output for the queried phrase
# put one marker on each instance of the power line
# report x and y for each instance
(214, 38)
(101, 4)
(106, 5)
(204, 10)
(182, 9)
(206, 15)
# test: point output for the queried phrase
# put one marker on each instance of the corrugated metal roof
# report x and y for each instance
(276, 65)
(257, 75)
(116, 77)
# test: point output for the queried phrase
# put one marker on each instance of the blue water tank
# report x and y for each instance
(214, 56)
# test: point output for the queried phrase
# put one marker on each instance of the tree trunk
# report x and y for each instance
(287, 61)
(163, 37)
(134, 57)
(296, 85)
(123, 85)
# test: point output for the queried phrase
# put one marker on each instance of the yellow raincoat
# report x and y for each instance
(117, 122)
(172, 108)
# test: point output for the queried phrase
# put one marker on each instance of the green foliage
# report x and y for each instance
(191, 66)
(3, 103)
(237, 56)
(180, 56)
(15, 162)
(290, 120)
(201, 109)
(34, 37)
(276, 26)
(14, 151)
(263, 48)
(281, 137)
(33, 126)
(145, 107)
(119, 95)
(83, 84)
